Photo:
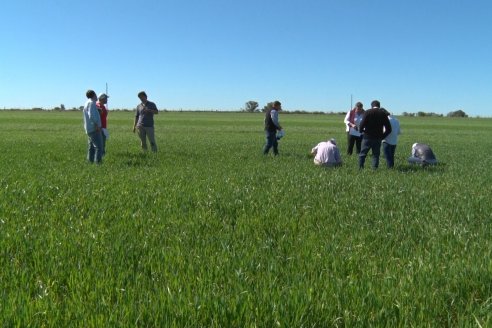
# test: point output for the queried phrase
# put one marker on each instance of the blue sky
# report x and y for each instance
(421, 55)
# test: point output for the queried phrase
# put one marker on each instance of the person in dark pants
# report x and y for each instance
(375, 126)
(352, 121)
(271, 126)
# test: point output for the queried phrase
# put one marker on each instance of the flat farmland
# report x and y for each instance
(208, 232)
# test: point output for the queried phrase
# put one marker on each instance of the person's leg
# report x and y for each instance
(387, 154)
(91, 150)
(350, 143)
(358, 141)
(376, 151)
(103, 144)
(150, 134)
(98, 144)
(143, 137)
(365, 147)
(275, 145)
(270, 137)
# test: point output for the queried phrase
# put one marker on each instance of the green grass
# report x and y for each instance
(208, 232)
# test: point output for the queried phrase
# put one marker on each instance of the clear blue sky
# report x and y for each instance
(412, 55)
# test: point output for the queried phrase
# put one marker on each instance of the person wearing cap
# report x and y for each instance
(422, 154)
(144, 121)
(375, 126)
(103, 112)
(389, 143)
(92, 126)
(352, 122)
(271, 126)
(326, 153)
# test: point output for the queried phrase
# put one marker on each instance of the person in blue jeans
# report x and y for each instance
(375, 126)
(389, 143)
(271, 126)
(92, 126)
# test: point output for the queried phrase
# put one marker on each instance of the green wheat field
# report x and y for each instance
(208, 232)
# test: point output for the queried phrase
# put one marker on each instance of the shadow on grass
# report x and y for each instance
(136, 159)
(440, 167)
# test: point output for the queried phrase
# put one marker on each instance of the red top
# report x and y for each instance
(103, 112)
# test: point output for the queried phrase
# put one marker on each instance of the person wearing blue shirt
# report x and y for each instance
(92, 126)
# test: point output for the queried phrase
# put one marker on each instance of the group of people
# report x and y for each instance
(95, 124)
(366, 130)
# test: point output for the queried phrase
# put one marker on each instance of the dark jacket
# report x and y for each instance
(373, 124)
(269, 124)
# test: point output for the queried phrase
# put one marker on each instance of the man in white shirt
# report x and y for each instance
(389, 143)
(326, 153)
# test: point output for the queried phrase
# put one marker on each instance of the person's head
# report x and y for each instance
(375, 104)
(359, 106)
(103, 98)
(91, 94)
(332, 141)
(277, 105)
(142, 96)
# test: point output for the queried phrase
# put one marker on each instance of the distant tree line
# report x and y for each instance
(457, 113)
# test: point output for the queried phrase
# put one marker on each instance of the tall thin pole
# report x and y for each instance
(351, 101)
(107, 99)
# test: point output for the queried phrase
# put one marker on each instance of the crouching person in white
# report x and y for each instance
(326, 153)
(422, 154)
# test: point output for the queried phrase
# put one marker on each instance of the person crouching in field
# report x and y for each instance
(271, 126)
(103, 112)
(326, 153)
(144, 121)
(422, 154)
(92, 126)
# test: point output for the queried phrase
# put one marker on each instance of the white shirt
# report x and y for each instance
(392, 138)
(357, 119)
(327, 153)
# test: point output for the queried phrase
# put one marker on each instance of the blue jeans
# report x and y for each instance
(271, 141)
(95, 147)
(389, 154)
(370, 144)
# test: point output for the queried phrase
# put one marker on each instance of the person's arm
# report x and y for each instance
(150, 107)
(387, 127)
(274, 116)
(136, 120)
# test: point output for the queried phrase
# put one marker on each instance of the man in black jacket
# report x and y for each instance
(375, 126)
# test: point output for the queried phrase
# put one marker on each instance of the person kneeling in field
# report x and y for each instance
(326, 153)
(422, 154)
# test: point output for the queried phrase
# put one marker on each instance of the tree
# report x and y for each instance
(251, 106)
(458, 113)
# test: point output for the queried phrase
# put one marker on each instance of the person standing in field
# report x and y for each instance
(375, 126)
(103, 112)
(422, 154)
(144, 121)
(352, 121)
(92, 126)
(327, 154)
(271, 126)
(389, 143)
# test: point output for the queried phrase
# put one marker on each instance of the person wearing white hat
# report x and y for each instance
(326, 153)
(102, 100)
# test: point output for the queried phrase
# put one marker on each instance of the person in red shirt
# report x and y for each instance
(103, 112)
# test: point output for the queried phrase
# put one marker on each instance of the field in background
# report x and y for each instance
(208, 232)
